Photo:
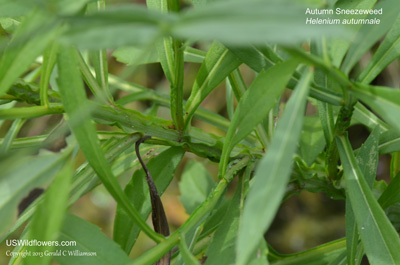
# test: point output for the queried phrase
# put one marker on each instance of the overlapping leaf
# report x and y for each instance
(379, 238)
(74, 99)
(253, 107)
(162, 168)
(218, 63)
(367, 160)
(272, 174)
(99, 249)
(383, 100)
(388, 51)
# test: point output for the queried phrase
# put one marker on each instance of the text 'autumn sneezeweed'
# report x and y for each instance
(54, 60)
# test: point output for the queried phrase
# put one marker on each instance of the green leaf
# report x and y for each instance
(389, 142)
(391, 194)
(11, 135)
(312, 140)
(368, 156)
(222, 250)
(99, 59)
(339, 46)
(117, 26)
(89, 239)
(75, 103)
(378, 236)
(188, 257)
(388, 51)
(49, 60)
(167, 53)
(340, 260)
(256, 57)
(263, 57)
(49, 215)
(255, 104)
(323, 254)
(252, 21)
(162, 168)
(383, 100)
(20, 175)
(195, 185)
(13, 8)
(363, 115)
(261, 255)
(30, 39)
(272, 174)
(214, 220)
(217, 65)
(134, 55)
(367, 160)
(370, 34)
(85, 179)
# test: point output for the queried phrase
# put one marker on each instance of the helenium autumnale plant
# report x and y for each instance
(282, 132)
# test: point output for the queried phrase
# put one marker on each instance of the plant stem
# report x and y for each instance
(30, 112)
(311, 255)
(49, 60)
(177, 87)
(158, 251)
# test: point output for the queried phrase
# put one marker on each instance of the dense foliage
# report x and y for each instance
(54, 57)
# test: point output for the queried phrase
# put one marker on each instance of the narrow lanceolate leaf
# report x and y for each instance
(30, 39)
(312, 139)
(11, 135)
(116, 26)
(272, 174)
(75, 102)
(389, 142)
(99, 249)
(378, 236)
(255, 104)
(162, 168)
(383, 100)
(252, 21)
(363, 115)
(222, 247)
(391, 195)
(136, 55)
(367, 160)
(49, 215)
(257, 58)
(370, 34)
(217, 65)
(170, 51)
(388, 51)
(339, 46)
(49, 60)
(165, 45)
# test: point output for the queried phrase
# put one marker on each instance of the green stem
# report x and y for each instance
(177, 87)
(333, 248)
(49, 60)
(30, 112)
(158, 251)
